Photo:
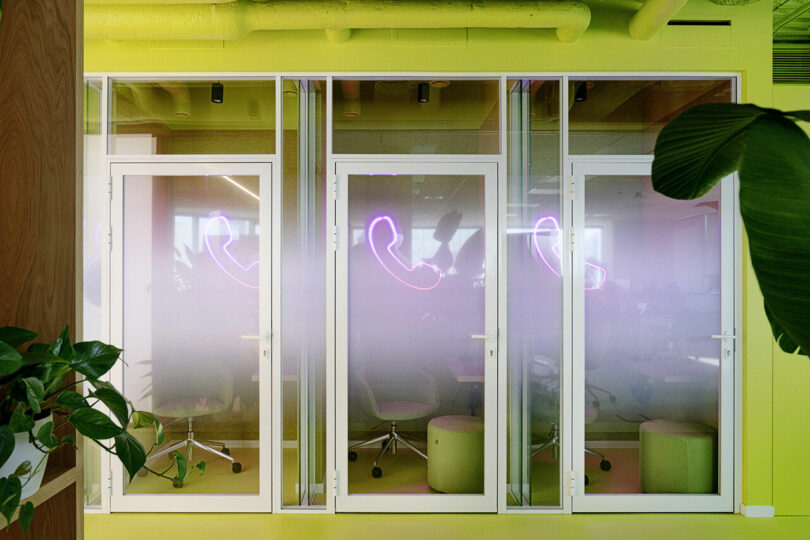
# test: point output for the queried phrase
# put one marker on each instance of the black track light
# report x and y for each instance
(423, 92)
(217, 92)
(581, 92)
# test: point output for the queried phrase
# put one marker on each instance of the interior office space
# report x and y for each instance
(367, 257)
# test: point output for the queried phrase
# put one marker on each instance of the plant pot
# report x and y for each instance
(26, 451)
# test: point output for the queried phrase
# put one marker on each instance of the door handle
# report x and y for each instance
(723, 336)
(481, 336)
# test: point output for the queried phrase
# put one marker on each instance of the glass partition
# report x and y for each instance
(625, 117)
(388, 116)
(652, 364)
(92, 248)
(416, 325)
(533, 294)
(191, 326)
(193, 117)
(303, 300)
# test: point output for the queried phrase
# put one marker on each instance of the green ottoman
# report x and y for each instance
(677, 457)
(456, 454)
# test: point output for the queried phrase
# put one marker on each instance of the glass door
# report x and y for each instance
(653, 350)
(190, 303)
(416, 336)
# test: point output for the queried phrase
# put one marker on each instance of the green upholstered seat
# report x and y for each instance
(456, 454)
(188, 392)
(677, 457)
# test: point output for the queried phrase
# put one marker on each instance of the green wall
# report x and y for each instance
(743, 47)
(791, 373)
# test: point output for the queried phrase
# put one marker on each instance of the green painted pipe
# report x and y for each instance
(653, 16)
(234, 20)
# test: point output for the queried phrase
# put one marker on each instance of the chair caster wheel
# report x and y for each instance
(587, 480)
(604, 465)
(236, 467)
(177, 483)
(226, 451)
(352, 455)
(376, 472)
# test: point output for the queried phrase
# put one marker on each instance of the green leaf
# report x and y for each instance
(39, 348)
(182, 466)
(71, 400)
(701, 146)
(94, 424)
(160, 436)
(32, 358)
(16, 337)
(68, 439)
(10, 359)
(141, 419)
(115, 402)
(20, 422)
(130, 452)
(26, 516)
(10, 489)
(801, 115)
(201, 466)
(775, 207)
(46, 437)
(94, 358)
(34, 392)
(23, 469)
(6, 444)
(62, 347)
(55, 378)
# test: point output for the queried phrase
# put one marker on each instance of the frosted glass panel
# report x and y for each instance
(416, 302)
(652, 370)
(191, 323)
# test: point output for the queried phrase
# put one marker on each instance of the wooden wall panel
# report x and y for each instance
(40, 190)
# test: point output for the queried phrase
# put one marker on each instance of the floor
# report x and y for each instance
(443, 527)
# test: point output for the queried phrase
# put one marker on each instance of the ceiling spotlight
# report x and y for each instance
(217, 92)
(581, 92)
(423, 92)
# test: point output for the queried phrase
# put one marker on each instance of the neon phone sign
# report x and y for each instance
(549, 222)
(422, 276)
(225, 260)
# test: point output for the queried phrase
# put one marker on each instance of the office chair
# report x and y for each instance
(545, 408)
(191, 391)
(394, 392)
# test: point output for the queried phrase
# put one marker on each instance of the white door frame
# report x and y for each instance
(261, 502)
(724, 500)
(344, 502)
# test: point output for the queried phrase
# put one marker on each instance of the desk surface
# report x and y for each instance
(465, 371)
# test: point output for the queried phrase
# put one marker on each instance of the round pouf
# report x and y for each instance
(677, 457)
(456, 454)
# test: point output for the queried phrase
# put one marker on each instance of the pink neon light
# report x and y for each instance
(226, 251)
(391, 248)
(555, 248)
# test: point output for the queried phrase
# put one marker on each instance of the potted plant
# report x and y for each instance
(36, 400)
(772, 154)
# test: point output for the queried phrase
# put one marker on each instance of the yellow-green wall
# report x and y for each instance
(791, 373)
(744, 47)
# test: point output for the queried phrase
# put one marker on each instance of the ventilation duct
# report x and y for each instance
(791, 64)
(191, 20)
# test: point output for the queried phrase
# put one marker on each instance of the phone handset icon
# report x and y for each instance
(383, 240)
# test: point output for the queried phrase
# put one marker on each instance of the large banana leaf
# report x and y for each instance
(704, 144)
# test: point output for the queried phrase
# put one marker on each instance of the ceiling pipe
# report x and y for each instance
(352, 106)
(181, 98)
(653, 16)
(233, 20)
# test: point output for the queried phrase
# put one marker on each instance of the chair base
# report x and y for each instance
(389, 441)
(553, 442)
(190, 443)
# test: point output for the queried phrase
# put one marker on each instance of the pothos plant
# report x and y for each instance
(772, 154)
(35, 384)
